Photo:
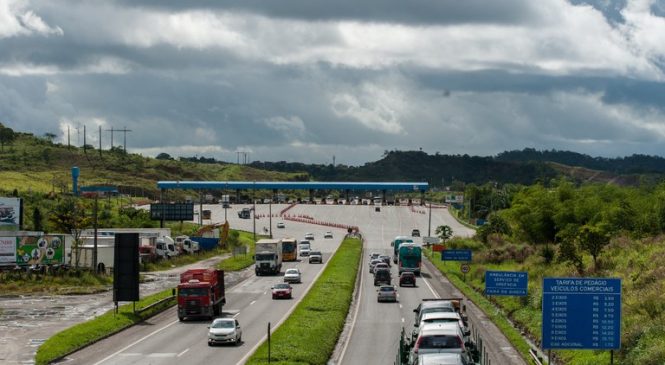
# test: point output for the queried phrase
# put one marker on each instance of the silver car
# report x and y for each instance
(315, 257)
(224, 330)
(386, 293)
(292, 276)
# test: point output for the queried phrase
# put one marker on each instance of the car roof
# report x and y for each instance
(223, 320)
(314, 253)
(440, 315)
(293, 269)
(437, 304)
(440, 328)
(442, 358)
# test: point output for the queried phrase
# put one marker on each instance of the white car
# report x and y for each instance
(292, 276)
(281, 225)
(304, 248)
(224, 330)
(328, 235)
(309, 236)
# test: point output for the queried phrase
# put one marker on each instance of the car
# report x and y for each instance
(381, 265)
(386, 293)
(446, 317)
(224, 330)
(304, 248)
(282, 290)
(430, 306)
(439, 338)
(385, 259)
(281, 225)
(315, 257)
(309, 236)
(407, 278)
(292, 276)
(374, 255)
(373, 263)
(328, 235)
(382, 276)
(415, 233)
(442, 359)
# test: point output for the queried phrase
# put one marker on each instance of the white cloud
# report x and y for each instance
(377, 107)
(102, 65)
(16, 19)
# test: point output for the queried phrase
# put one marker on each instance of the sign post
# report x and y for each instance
(465, 268)
(581, 313)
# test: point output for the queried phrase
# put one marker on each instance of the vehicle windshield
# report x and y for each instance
(192, 292)
(288, 247)
(437, 309)
(315, 253)
(302, 247)
(223, 324)
(440, 342)
(387, 288)
(265, 257)
(281, 286)
(292, 271)
(440, 320)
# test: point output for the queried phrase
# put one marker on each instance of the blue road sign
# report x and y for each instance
(508, 283)
(456, 255)
(581, 313)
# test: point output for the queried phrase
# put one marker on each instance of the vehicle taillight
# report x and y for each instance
(415, 348)
(461, 343)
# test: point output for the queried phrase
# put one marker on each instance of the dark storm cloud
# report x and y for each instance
(395, 11)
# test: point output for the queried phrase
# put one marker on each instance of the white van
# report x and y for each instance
(303, 248)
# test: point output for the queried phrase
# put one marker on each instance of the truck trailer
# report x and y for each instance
(268, 257)
(201, 293)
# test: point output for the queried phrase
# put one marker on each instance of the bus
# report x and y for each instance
(289, 249)
(410, 258)
(395, 244)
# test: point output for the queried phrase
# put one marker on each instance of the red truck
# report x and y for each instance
(201, 293)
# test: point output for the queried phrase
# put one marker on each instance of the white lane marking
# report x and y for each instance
(402, 320)
(135, 342)
(431, 289)
(400, 306)
(162, 354)
(253, 301)
(355, 315)
(235, 315)
(127, 354)
(183, 352)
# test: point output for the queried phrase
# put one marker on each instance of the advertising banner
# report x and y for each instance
(10, 213)
(7, 251)
(43, 250)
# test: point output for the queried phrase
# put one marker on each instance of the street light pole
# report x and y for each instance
(429, 226)
(254, 209)
(270, 216)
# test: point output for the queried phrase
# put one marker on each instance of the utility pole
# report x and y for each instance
(124, 130)
(111, 130)
(68, 145)
(84, 142)
(100, 141)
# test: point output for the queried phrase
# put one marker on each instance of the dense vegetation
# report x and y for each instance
(592, 230)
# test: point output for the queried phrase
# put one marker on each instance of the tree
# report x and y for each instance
(444, 232)
(593, 239)
(233, 240)
(49, 137)
(69, 216)
(7, 135)
(164, 156)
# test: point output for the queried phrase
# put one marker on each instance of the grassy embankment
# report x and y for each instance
(85, 333)
(74, 282)
(310, 333)
(640, 265)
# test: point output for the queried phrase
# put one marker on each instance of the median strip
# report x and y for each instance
(320, 315)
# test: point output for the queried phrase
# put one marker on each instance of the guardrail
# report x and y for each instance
(535, 357)
(155, 304)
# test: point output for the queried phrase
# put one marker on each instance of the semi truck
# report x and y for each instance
(201, 293)
(268, 257)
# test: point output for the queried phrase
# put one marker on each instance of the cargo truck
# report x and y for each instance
(268, 257)
(201, 293)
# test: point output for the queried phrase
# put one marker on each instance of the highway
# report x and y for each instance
(376, 326)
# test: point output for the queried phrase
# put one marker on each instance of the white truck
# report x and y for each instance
(165, 247)
(187, 244)
(268, 257)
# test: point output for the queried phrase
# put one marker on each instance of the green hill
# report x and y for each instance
(30, 163)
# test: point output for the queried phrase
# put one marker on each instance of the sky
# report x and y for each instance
(303, 80)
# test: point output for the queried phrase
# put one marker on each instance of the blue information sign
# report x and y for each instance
(581, 313)
(456, 255)
(509, 283)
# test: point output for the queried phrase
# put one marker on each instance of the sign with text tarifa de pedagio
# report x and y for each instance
(581, 313)
(506, 283)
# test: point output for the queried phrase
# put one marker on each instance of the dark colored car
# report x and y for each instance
(407, 278)
(415, 233)
(382, 276)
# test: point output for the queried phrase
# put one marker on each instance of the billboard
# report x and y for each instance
(172, 212)
(10, 213)
(43, 250)
(7, 251)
